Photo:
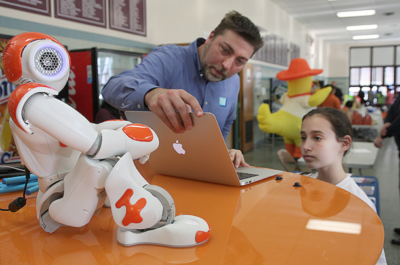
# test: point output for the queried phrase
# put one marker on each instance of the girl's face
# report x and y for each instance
(319, 145)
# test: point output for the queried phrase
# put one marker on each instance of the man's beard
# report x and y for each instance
(206, 69)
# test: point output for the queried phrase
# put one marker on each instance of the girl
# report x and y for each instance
(326, 136)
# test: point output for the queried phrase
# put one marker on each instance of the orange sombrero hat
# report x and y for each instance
(298, 68)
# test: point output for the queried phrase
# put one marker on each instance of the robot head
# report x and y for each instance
(36, 57)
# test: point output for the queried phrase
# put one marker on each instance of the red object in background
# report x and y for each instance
(367, 120)
(357, 118)
(80, 83)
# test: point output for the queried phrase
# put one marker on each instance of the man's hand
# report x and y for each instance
(237, 158)
(384, 128)
(378, 142)
(173, 107)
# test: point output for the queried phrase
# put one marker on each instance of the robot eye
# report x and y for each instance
(48, 61)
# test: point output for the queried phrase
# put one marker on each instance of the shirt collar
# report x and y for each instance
(193, 48)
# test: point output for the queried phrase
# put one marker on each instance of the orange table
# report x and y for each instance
(270, 222)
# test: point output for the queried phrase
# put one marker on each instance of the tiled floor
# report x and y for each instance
(386, 170)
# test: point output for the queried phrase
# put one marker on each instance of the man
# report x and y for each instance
(173, 80)
(391, 127)
(371, 97)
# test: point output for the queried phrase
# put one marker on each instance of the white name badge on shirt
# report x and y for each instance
(222, 102)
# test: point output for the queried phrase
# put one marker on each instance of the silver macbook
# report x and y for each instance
(199, 153)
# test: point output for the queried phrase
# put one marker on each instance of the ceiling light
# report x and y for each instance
(361, 27)
(365, 37)
(334, 226)
(356, 13)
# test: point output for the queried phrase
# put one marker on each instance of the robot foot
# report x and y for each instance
(47, 223)
(184, 231)
(43, 202)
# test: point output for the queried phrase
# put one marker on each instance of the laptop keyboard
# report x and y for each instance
(244, 175)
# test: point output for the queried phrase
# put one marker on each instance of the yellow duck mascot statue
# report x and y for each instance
(299, 100)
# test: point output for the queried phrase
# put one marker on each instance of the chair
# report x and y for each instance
(286, 158)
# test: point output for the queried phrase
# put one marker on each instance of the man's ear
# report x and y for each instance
(210, 36)
(345, 143)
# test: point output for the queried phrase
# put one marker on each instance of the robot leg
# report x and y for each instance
(43, 201)
(83, 194)
(146, 214)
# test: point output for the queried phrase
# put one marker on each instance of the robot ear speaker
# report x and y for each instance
(48, 61)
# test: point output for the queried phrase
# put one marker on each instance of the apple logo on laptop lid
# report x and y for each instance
(178, 148)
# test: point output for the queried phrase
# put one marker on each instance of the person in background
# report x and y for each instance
(380, 99)
(326, 136)
(173, 80)
(371, 97)
(389, 97)
(356, 102)
(331, 101)
(361, 94)
(338, 91)
(391, 127)
(348, 109)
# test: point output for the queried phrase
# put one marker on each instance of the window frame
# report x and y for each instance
(372, 74)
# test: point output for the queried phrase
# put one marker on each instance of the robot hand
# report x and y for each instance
(77, 162)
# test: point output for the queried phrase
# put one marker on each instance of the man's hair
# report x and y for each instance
(242, 26)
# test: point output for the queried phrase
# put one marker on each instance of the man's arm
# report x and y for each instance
(391, 127)
(147, 87)
(126, 91)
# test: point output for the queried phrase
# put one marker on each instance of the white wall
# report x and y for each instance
(172, 21)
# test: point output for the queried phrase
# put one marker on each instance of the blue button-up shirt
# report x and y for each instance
(175, 67)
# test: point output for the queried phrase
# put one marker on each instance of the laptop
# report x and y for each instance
(198, 154)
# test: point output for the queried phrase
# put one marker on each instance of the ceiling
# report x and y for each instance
(319, 16)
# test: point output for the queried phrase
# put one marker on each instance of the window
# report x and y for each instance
(377, 76)
(365, 76)
(354, 76)
(374, 67)
(398, 75)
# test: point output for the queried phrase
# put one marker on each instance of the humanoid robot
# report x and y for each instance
(80, 164)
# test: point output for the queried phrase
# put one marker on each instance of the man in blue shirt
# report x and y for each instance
(173, 80)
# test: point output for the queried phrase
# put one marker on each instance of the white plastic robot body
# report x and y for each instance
(37, 149)
(83, 193)
(84, 185)
(77, 162)
(131, 206)
(60, 121)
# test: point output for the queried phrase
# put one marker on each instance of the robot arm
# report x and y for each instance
(69, 127)
(55, 118)
(111, 125)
